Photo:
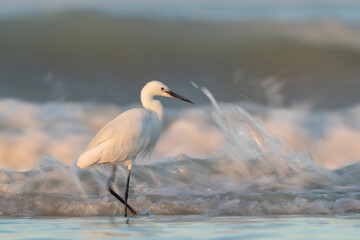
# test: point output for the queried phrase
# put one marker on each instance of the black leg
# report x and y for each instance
(111, 180)
(127, 191)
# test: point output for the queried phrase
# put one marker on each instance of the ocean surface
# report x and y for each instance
(269, 150)
(180, 227)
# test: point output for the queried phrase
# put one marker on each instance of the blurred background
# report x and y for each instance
(274, 52)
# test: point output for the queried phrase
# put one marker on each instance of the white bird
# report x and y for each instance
(132, 134)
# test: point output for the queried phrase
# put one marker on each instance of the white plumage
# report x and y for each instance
(132, 134)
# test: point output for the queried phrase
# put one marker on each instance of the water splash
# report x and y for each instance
(252, 172)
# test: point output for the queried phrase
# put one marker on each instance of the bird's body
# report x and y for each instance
(132, 134)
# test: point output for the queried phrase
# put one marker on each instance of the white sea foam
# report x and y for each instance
(217, 161)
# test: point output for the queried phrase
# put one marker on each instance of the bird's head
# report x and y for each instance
(157, 88)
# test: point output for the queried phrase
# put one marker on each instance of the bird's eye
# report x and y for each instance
(162, 89)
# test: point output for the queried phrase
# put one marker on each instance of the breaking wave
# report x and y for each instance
(215, 160)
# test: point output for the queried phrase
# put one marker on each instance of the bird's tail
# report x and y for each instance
(90, 158)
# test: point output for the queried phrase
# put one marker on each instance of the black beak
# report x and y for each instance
(175, 95)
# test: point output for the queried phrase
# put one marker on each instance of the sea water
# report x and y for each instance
(180, 227)
(247, 171)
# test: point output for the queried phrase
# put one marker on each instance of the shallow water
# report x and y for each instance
(180, 227)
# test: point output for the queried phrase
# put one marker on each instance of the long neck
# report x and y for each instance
(149, 103)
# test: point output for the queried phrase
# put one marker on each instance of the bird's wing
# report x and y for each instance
(128, 136)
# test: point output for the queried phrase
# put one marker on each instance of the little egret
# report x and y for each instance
(132, 134)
